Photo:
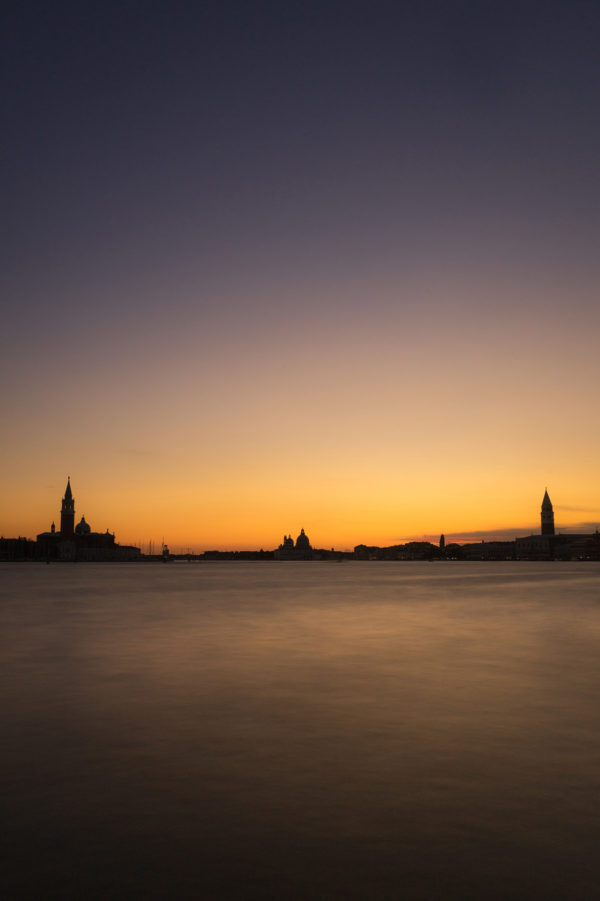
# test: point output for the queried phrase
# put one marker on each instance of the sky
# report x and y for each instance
(278, 265)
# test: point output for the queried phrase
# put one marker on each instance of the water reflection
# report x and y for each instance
(302, 730)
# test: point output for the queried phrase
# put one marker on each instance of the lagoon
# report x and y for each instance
(301, 730)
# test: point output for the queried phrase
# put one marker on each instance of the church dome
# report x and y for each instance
(302, 542)
(82, 528)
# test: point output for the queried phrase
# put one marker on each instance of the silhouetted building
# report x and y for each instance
(17, 549)
(67, 512)
(442, 542)
(413, 550)
(489, 550)
(302, 550)
(550, 546)
(547, 515)
(535, 547)
(82, 527)
(79, 542)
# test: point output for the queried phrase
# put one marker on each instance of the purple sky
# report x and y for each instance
(208, 201)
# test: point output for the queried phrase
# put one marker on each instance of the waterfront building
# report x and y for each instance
(413, 550)
(488, 550)
(562, 546)
(302, 550)
(79, 542)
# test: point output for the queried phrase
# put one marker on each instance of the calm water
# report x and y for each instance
(301, 730)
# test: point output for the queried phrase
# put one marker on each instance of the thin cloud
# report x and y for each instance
(474, 535)
(509, 534)
(490, 534)
(579, 527)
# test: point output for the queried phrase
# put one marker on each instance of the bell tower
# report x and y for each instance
(547, 516)
(67, 512)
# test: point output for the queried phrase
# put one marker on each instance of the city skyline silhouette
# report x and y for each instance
(72, 540)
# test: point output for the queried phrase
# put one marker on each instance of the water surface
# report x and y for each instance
(301, 730)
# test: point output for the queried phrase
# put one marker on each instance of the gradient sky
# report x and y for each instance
(272, 265)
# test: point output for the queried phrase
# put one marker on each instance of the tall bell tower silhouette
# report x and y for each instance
(547, 516)
(67, 512)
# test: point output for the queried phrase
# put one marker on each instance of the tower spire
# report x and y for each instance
(67, 512)
(547, 515)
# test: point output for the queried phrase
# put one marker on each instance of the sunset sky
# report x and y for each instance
(272, 265)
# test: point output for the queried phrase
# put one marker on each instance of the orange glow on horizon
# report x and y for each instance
(252, 515)
(359, 429)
